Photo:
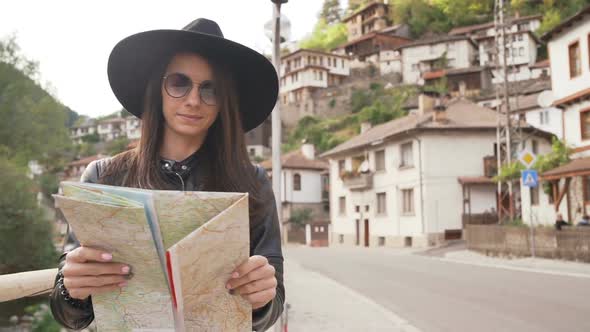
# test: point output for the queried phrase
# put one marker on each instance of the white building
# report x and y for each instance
(133, 127)
(390, 61)
(525, 106)
(569, 53)
(304, 182)
(403, 183)
(77, 132)
(111, 129)
(305, 70)
(541, 69)
(521, 55)
(437, 53)
(514, 24)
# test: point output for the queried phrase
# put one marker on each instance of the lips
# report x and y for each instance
(190, 117)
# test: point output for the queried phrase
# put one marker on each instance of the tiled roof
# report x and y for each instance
(86, 161)
(296, 160)
(461, 114)
(436, 40)
(575, 166)
(470, 28)
(541, 64)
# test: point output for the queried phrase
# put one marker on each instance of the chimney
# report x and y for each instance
(365, 126)
(308, 151)
(440, 111)
(425, 104)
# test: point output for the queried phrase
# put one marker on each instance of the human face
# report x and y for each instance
(188, 115)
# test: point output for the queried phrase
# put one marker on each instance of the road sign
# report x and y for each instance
(527, 158)
(530, 178)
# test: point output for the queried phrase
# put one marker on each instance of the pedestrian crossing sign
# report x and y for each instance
(530, 178)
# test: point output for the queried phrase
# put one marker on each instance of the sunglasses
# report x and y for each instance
(178, 85)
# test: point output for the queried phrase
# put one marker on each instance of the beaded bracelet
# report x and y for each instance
(81, 304)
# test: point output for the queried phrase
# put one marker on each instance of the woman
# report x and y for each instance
(196, 93)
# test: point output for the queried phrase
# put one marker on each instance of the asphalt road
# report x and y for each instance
(435, 295)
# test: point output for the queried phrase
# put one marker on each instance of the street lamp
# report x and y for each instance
(276, 116)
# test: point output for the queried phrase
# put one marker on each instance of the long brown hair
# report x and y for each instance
(229, 167)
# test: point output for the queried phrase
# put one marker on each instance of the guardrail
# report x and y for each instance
(18, 285)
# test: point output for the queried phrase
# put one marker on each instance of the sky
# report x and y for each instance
(72, 39)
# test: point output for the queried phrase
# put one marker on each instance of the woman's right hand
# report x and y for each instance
(90, 271)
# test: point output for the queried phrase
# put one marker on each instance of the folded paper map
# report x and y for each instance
(182, 248)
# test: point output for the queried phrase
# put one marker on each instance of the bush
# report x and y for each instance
(25, 236)
(301, 217)
(49, 184)
(91, 138)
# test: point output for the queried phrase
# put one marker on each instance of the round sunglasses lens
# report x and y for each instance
(207, 92)
(177, 85)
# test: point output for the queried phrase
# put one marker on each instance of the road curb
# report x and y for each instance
(511, 267)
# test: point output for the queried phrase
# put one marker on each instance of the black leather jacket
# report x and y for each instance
(264, 240)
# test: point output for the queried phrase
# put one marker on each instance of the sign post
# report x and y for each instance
(530, 179)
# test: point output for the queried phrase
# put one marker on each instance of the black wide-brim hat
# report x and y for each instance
(134, 58)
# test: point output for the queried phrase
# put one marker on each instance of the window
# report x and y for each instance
(381, 203)
(534, 196)
(586, 185)
(585, 123)
(321, 76)
(380, 160)
(535, 146)
(252, 152)
(407, 158)
(340, 166)
(521, 51)
(297, 182)
(342, 205)
(408, 201)
(341, 238)
(544, 117)
(366, 208)
(357, 208)
(520, 37)
(575, 60)
(382, 241)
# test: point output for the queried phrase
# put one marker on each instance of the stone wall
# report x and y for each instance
(571, 243)
(334, 101)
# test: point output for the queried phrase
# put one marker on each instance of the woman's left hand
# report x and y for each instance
(255, 281)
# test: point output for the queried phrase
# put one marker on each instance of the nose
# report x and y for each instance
(193, 98)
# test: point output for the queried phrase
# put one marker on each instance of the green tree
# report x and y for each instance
(325, 36)
(301, 217)
(420, 15)
(354, 5)
(25, 235)
(117, 146)
(550, 20)
(331, 11)
(32, 122)
(466, 12)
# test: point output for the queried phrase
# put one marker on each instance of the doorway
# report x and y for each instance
(358, 233)
(366, 232)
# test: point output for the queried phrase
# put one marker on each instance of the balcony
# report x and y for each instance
(490, 166)
(361, 181)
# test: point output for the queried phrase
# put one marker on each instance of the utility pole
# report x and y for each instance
(276, 115)
(507, 135)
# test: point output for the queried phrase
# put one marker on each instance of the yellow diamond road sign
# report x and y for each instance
(527, 158)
